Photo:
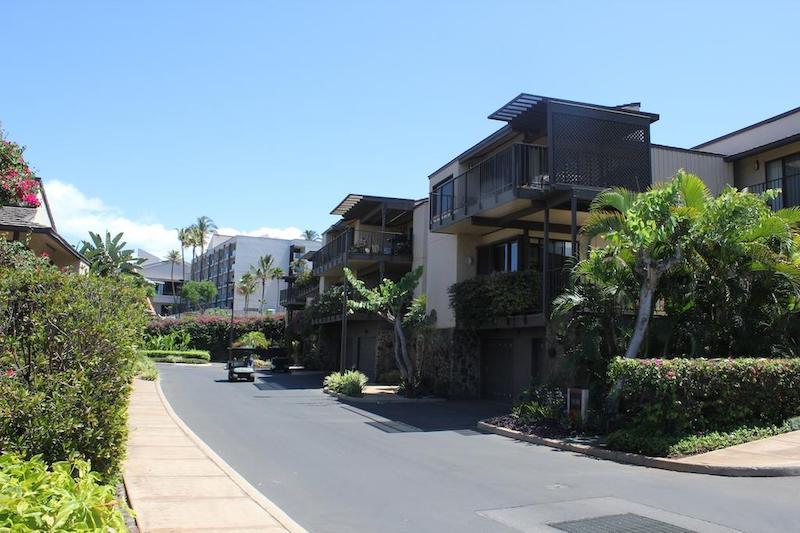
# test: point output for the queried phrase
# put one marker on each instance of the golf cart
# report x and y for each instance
(240, 364)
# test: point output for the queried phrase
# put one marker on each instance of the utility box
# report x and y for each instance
(578, 405)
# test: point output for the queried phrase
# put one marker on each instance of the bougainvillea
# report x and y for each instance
(18, 185)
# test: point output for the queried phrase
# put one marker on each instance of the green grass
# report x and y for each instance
(176, 359)
(198, 356)
(146, 368)
(652, 443)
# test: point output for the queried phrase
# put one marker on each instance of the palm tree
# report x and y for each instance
(203, 228)
(185, 238)
(246, 287)
(110, 257)
(173, 257)
(261, 271)
(277, 273)
(310, 235)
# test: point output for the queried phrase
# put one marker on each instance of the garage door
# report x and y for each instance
(366, 356)
(497, 369)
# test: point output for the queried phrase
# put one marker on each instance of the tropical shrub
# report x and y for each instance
(253, 339)
(349, 382)
(199, 293)
(677, 396)
(65, 496)
(67, 354)
(18, 185)
(542, 403)
(173, 340)
(198, 355)
(212, 333)
(498, 295)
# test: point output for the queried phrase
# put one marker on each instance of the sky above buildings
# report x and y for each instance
(141, 116)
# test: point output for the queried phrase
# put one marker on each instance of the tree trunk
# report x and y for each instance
(263, 286)
(172, 280)
(411, 377)
(397, 357)
(646, 294)
(183, 280)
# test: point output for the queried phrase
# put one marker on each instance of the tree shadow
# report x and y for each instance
(267, 380)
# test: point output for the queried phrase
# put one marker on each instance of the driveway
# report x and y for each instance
(422, 467)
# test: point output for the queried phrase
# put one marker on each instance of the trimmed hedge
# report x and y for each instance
(202, 355)
(67, 359)
(211, 333)
(679, 396)
(497, 295)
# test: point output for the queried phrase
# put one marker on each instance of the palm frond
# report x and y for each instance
(617, 198)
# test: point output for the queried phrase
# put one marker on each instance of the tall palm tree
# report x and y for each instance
(185, 238)
(276, 273)
(173, 257)
(261, 271)
(203, 228)
(310, 235)
(109, 257)
(246, 287)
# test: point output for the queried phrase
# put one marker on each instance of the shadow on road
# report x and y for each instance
(267, 380)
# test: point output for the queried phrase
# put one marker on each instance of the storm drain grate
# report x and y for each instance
(619, 523)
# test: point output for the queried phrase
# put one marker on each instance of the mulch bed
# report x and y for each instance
(545, 429)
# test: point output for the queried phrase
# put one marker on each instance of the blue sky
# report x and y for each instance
(263, 115)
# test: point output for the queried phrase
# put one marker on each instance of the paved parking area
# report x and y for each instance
(422, 467)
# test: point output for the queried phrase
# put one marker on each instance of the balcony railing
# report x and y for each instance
(790, 191)
(492, 181)
(362, 244)
(298, 295)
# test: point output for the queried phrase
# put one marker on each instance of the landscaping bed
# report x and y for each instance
(177, 356)
(545, 429)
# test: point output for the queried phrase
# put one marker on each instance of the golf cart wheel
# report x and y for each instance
(231, 377)
(251, 379)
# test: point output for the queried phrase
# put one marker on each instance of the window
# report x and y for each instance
(444, 198)
(784, 174)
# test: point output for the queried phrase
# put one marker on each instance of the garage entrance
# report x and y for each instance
(497, 369)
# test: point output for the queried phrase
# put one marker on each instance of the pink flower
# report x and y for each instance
(670, 375)
(658, 362)
(10, 373)
(31, 200)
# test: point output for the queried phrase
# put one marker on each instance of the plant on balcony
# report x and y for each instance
(18, 185)
(498, 295)
(305, 279)
(328, 303)
(394, 302)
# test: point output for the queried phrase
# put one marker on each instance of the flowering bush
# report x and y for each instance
(18, 185)
(677, 396)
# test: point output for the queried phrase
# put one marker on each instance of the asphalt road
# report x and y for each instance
(413, 468)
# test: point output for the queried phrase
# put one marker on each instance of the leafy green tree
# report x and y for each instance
(109, 257)
(277, 273)
(203, 228)
(651, 229)
(173, 257)
(394, 302)
(263, 272)
(246, 287)
(199, 293)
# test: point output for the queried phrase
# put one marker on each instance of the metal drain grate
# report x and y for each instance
(619, 523)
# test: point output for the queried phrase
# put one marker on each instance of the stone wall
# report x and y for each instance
(449, 362)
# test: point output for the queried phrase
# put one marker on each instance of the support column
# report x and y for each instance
(574, 224)
(382, 264)
(546, 261)
(343, 346)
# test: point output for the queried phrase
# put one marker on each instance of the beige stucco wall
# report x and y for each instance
(752, 170)
(419, 249)
(758, 136)
(715, 172)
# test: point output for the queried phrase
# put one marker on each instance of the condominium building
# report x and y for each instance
(166, 278)
(228, 257)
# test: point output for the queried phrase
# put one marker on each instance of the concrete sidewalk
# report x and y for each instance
(778, 452)
(177, 483)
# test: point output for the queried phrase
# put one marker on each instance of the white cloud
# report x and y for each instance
(76, 214)
(276, 233)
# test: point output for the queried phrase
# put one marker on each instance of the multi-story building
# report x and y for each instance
(36, 227)
(373, 238)
(228, 257)
(167, 280)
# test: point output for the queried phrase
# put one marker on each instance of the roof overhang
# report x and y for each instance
(524, 104)
(357, 205)
(51, 233)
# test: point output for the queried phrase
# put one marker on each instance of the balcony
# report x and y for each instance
(298, 296)
(518, 171)
(790, 191)
(357, 248)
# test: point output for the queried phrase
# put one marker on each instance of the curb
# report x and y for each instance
(262, 501)
(643, 460)
(379, 400)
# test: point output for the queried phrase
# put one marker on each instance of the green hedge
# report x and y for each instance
(211, 333)
(201, 355)
(497, 295)
(678, 396)
(66, 361)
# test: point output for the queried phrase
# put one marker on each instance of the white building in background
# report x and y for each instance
(228, 257)
(167, 280)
